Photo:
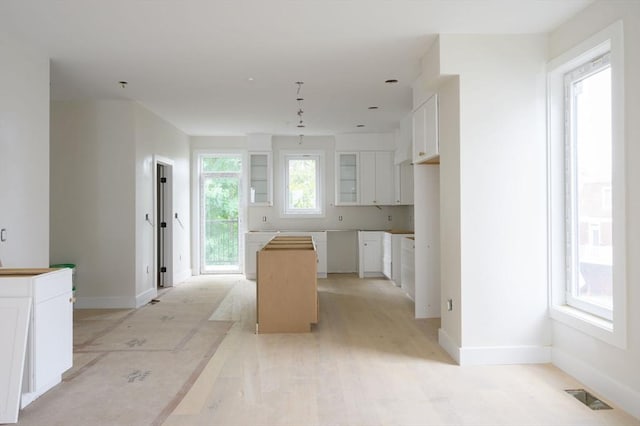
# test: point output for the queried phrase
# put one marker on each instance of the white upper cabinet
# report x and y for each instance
(377, 178)
(260, 179)
(347, 179)
(425, 132)
(403, 184)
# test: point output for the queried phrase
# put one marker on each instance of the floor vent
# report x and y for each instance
(587, 399)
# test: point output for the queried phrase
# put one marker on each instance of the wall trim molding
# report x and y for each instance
(603, 385)
(449, 345)
(494, 355)
(500, 355)
(181, 276)
(144, 297)
(106, 302)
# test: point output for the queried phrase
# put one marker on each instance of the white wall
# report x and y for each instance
(92, 195)
(101, 187)
(450, 211)
(24, 154)
(502, 208)
(607, 369)
(157, 139)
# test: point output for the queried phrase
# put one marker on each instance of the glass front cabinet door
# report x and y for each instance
(260, 179)
(347, 184)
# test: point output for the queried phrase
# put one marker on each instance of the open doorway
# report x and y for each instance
(220, 204)
(164, 224)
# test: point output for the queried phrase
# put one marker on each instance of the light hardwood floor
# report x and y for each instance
(367, 362)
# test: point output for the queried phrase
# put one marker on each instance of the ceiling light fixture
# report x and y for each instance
(391, 81)
(123, 84)
(300, 112)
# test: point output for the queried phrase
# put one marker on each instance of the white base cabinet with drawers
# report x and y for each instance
(49, 351)
(392, 255)
(408, 266)
(370, 253)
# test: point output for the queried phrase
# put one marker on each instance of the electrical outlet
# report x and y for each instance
(264, 218)
(340, 218)
(389, 218)
(147, 269)
(449, 304)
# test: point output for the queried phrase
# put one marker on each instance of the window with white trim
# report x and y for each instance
(303, 189)
(586, 171)
(589, 258)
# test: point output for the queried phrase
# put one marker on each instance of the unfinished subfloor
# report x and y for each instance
(194, 359)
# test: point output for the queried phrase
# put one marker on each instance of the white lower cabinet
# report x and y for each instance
(254, 241)
(370, 253)
(407, 272)
(392, 254)
(387, 255)
(49, 351)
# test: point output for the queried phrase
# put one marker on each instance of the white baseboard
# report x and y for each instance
(604, 386)
(181, 276)
(146, 296)
(449, 345)
(105, 303)
(494, 355)
(499, 355)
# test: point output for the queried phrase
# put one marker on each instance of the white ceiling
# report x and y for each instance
(190, 61)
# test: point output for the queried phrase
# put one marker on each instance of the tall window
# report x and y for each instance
(589, 256)
(586, 187)
(303, 186)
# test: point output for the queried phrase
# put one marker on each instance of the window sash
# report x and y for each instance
(572, 219)
(289, 209)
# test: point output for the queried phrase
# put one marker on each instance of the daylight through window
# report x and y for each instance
(588, 187)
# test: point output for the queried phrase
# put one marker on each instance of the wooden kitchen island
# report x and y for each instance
(287, 288)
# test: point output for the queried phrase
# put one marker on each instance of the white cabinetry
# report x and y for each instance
(376, 178)
(50, 339)
(387, 255)
(403, 184)
(392, 255)
(260, 179)
(253, 242)
(347, 179)
(370, 253)
(407, 272)
(425, 132)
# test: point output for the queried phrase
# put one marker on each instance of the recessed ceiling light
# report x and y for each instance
(391, 81)
(373, 107)
(360, 125)
(250, 79)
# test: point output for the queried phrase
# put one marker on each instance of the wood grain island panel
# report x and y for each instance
(287, 289)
